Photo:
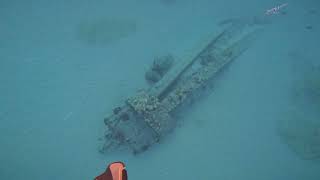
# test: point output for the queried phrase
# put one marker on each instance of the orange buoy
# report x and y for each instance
(115, 171)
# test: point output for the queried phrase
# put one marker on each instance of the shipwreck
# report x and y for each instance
(146, 118)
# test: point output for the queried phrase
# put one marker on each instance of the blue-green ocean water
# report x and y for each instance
(64, 65)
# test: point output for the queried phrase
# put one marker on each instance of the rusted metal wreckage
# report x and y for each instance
(147, 117)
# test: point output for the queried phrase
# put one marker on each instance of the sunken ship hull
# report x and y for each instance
(146, 118)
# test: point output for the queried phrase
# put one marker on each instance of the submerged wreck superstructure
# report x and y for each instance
(147, 117)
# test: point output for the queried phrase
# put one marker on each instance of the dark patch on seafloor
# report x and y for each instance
(103, 31)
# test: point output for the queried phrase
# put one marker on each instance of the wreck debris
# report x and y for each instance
(152, 76)
(160, 66)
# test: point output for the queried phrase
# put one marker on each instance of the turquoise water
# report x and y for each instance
(64, 65)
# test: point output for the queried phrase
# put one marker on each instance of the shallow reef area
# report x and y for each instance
(300, 129)
(104, 31)
(302, 135)
(307, 88)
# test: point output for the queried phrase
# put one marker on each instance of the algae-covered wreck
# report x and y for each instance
(146, 118)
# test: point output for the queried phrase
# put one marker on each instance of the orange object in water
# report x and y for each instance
(115, 171)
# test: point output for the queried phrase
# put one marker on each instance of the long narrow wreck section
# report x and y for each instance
(147, 117)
